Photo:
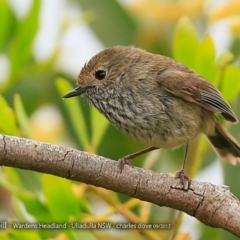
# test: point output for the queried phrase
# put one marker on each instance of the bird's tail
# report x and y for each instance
(225, 144)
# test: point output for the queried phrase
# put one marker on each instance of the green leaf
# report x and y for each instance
(99, 126)
(60, 199)
(111, 22)
(22, 116)
(26, 31)
(207, 232)
(84, 234)
(35, 207)
(75, 112)
(10, 176)
(224, 59)
(7, 118)
(231, 177)
(4, 235)
(185, 42)
(205, 60)
(26, 234)
(10, 181)
(7, 20)
(230, 83)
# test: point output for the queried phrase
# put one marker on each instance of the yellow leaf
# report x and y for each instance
(183, 236)
(226, 10)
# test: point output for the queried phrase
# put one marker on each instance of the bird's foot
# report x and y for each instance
(123, 161)
(184, 181)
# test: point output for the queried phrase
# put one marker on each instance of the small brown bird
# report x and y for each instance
(156, 100)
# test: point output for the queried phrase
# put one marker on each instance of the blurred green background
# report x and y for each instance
(44, 44)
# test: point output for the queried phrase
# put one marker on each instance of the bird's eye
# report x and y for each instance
(100, 74)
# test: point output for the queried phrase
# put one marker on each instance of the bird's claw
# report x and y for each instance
(123, 161)
(184, 181)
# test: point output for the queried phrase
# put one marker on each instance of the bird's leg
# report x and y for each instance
(128, 159)
(181, 174)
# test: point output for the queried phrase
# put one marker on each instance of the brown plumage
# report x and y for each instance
(193, 88)
(156, 100)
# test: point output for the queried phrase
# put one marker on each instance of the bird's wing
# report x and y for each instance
(192, 87)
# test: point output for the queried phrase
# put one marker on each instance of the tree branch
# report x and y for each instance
(213, 205)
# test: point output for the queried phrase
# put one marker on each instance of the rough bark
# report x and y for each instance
(213, 205)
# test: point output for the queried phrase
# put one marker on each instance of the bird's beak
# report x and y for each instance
(75, 92)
